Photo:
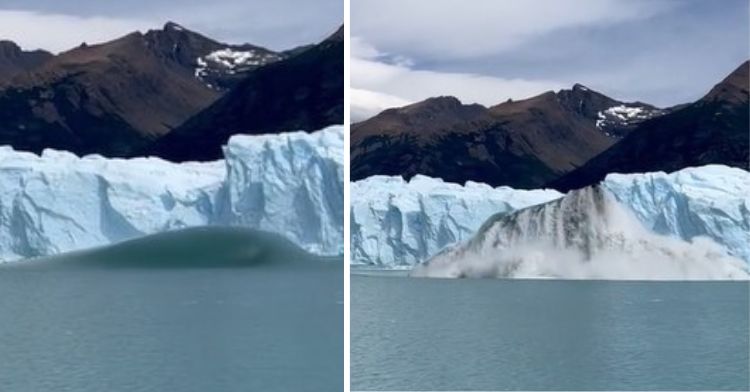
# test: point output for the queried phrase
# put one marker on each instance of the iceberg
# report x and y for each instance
(290, 184)
(397, 223)
(624, 228)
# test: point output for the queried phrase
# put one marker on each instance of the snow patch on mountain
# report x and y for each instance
(287, 183)
(624, 116)
(231, 61)
(588, 234)
(397, 223)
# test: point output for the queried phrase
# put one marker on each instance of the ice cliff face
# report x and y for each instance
(589, 234)
(286, 183)
(395, 223)
(292, 184)
(711, 201)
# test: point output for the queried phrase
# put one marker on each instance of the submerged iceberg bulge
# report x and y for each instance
(290, 183)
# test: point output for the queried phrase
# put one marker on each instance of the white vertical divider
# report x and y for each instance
(347, 117)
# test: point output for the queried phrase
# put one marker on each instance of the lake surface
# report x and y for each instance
(436, 334)
(186, 329)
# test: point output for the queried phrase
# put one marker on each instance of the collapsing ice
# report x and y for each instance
(587, 234)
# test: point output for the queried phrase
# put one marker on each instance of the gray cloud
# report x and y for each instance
(659, 51)
(381, 81)
(278, 24)
(437, 29)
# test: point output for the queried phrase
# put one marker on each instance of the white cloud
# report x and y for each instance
(365, 103)
(362, 49)
(379, 84)
(57, 32)
(464, 29)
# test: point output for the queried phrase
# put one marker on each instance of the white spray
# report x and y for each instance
(585, 235)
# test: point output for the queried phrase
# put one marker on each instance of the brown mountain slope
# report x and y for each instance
(14, 60)
(518, 143)
(112, 98)
(551, 130)
(302, 92)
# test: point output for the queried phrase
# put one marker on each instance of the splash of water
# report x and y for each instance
(587, 234)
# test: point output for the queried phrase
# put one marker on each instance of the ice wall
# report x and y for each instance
(289, 183)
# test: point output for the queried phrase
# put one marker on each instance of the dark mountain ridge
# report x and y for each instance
(117, 97)
(713, 130)
(302, 92)
(522, 143)
(14, 60)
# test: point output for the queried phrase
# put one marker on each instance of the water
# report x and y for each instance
(269, 327)
(446, 334)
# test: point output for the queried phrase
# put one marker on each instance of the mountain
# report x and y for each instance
(14, 60)
(523, 144)
(116, 97)
(613, 117)
(712, 130)
(302, 92)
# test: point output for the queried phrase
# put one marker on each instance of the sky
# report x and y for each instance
(663, 52)
(57, 25)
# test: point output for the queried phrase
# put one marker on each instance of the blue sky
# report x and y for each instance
(663, 52)
(279, 24)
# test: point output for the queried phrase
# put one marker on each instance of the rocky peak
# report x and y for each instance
(338, 35)
(14, 60)
(445, 101)
(584, 101)
(734, 88)
(9, 49)
(447, 108)
(172, 26)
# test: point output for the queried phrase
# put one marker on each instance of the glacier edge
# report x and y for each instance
(691, 204)
(57, 202)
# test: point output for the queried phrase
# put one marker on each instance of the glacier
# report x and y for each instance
(397, 223)
(289, 183)
(709, 201)
(688, 225)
